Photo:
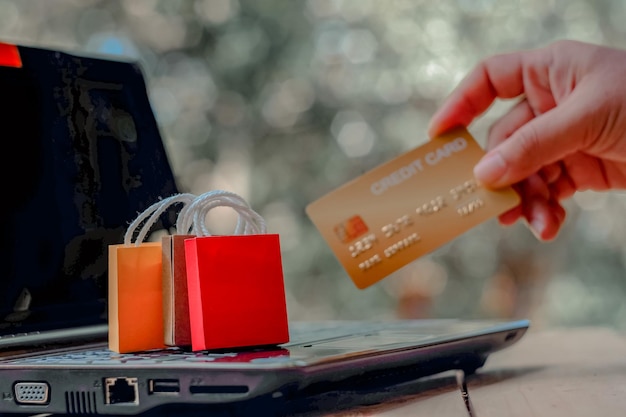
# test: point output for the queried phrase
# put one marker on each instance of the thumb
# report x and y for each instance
(543, 140)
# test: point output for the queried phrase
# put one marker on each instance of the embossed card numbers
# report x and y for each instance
(407, 207)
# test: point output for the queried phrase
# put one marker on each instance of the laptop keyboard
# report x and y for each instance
(303, 334)
(105, 356)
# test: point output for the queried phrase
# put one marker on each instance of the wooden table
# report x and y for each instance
(578, 372)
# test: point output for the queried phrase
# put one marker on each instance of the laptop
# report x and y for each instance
(89, 158)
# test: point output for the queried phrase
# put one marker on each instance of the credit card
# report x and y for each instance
(407, 207)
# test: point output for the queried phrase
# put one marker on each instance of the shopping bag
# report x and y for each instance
(135, 298)
(136, 320)
(175, 301)
(235, 282)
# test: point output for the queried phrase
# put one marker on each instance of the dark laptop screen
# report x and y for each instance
(82, 156)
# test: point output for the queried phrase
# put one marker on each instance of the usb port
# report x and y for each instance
(163, 386)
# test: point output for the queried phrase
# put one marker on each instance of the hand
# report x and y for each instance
(567, 133)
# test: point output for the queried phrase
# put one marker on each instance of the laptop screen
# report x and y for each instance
(82, 157)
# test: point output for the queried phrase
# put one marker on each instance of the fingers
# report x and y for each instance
(539, 207)
(498, 76)
(551, 172)
(543, 214)
(563, 188)
(511, 216)
(538, 143)
(504, 127)
(544, 217)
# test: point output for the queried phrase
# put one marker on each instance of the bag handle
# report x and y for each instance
(192, 218)
(149, 216)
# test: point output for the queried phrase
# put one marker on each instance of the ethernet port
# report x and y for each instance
(121, 390)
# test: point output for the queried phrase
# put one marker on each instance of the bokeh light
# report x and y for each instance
(282, 102)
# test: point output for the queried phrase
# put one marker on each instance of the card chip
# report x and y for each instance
(351, 229)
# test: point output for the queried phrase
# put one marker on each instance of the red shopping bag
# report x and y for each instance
(236, 291)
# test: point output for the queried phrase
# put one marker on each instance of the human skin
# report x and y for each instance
(567, 132)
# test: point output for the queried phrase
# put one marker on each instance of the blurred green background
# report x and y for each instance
(283, 101)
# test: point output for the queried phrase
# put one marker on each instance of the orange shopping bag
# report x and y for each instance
(235, 283)
(135, 285)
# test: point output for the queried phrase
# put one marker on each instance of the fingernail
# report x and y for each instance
(490, 168)
(537, 226)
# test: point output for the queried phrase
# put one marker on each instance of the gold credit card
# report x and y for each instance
(407, 207)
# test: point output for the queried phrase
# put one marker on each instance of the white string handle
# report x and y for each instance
(192, 218)
(150, 216)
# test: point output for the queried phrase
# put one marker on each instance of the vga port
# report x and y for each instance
(32, 393)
